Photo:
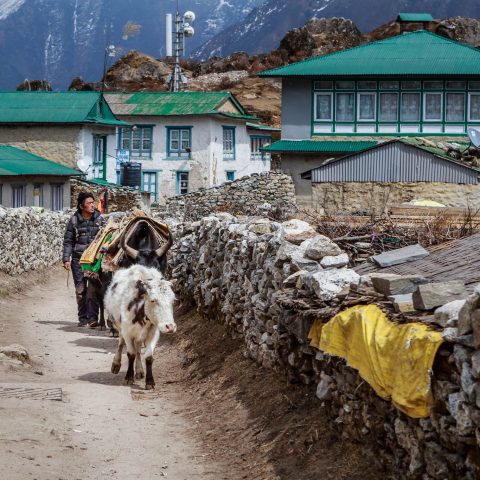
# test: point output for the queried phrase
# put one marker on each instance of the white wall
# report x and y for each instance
(207, 167)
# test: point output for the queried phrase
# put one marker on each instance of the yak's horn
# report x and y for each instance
(161, 251)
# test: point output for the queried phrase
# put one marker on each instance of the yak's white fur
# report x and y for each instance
(158, 302)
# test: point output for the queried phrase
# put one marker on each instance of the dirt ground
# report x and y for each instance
(214, 414)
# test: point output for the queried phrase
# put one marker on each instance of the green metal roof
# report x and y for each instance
(14, 161)
(418, 53)
(313, 146)
(56, 107)
(261, 126)
(414, 17)
(170, 103)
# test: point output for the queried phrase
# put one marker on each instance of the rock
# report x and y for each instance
(324, 388)
(431, 295)
(476, 328)
(402, 303)
(458, 408)
(292, 280)
(465, 313)
(401, 255)
(319, 247)
(476, 364)
(297, 231)
(260, 227)
(299, 262)
(447, 315)
(336, 261)
(15, 351)
(392, 284)
(466, 379)
(327, 284)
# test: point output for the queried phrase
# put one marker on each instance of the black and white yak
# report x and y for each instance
(139, 302)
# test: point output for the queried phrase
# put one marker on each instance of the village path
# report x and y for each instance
(98, 430)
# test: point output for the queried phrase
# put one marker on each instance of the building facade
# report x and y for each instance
(186, 140)
(415, 84)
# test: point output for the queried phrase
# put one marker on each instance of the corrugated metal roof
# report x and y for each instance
(55, 107)
(14, 161)
(418, 53)
(261, 126)
(414, 17)
(312, 146)
(169, 103)
(394, 161)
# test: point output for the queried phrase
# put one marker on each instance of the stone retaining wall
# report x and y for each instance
(120, 199)
(30, 240)
(253, 278)
(271, 192)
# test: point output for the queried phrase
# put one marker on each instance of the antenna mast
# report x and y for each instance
(182, 29)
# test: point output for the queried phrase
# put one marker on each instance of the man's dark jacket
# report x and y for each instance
(80, 234)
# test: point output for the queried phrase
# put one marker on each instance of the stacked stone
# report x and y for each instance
(30, 240)
(120, 199)
(267, 192)
(238, 272)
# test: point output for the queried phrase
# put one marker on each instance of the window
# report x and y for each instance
(19, 197)
(367, 85)
(388, 85)
(137, 140)
(57, 196)
(455, 107)
(38, 195)
(230, 174)
(229, 143)
(118, 176)
(474, 107)
(182, 183)
(432, 110)
(179, 142)
(324, 106)
(99, 156)
(345, 85)
(411, 85)
(456, 85)
(256, 143)
(475, 85)
(410, 108)
(433, 85)
(345, 108)
(325, 85)
(388, 110)
(367, 109)
(150, 183)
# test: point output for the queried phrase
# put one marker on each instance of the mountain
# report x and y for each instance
(263, 28)
(57, 40)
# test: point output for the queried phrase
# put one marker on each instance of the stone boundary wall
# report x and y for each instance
(248, 277)
(268, 192)
(30, 240)
(120, 199)
(375, 198)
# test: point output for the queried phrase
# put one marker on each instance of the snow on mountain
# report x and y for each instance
(57, 40)
(263, 28)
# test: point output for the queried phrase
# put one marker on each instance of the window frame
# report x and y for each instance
(185, 154)
(140, 153)
(52, 187)
(254, 155)
(41, 196)
(229, 155)
(412, 92)
(179, 180)
(233, 175)
(23, 188)
(369, 93)
(451, 92)
(324, 93)
(424, 109)
(470, 95)
(155, 184)
(345, 92)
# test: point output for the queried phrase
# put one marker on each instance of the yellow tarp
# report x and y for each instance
(396, 360)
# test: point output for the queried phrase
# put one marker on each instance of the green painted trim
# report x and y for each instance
(140, 127)
(400, 91)
(177, 182)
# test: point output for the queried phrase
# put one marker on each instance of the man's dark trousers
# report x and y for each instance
(87, 307)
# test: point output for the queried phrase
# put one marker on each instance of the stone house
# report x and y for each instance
(186, 140)
(28, 180)
(69, 128)
(391, 173)
(413, 85)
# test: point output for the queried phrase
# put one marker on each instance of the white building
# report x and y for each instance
(185, 140)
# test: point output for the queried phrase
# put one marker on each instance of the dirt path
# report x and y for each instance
(98, 430)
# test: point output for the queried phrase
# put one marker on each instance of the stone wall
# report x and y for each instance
(269, 191)
(57, 143)
(267, 282)
(30, 240)
(120, 199)
(375, 198)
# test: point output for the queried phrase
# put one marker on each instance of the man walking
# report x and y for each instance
(81, 230)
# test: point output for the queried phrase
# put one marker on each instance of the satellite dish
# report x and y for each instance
(189, 17)
(83, 164)
(474, 136)
(188, 31)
